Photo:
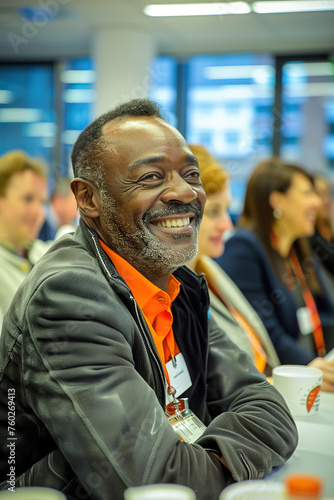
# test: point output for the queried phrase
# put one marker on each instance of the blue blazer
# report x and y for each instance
(246, 262)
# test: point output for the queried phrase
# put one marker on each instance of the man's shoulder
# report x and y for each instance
(68, 272)
(68, 254)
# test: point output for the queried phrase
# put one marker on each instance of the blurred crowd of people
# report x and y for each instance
(30, 220)
(271, 260)
(266, 281)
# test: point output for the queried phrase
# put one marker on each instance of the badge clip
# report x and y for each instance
(182, 419)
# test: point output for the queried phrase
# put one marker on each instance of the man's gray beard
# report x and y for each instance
(142, 247)
(163, 255)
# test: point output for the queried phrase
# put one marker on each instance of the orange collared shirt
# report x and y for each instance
(154, 303)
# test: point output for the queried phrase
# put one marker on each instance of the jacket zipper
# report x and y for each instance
(243, 459)
(143, 327)
(153, 353)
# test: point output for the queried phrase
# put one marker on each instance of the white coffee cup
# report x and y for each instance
(160, 492)
(300, 387)
(253, 490)
(32, 493)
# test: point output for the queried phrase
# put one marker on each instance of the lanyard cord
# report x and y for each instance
(318, 334)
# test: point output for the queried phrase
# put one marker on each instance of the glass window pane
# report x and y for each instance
(308, 114)
(27, 115)
(229, 110)
(78, 96)
(163, 85)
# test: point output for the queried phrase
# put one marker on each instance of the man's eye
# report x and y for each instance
(152, 177)
(194, 174)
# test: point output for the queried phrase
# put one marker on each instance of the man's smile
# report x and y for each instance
(173, 222)
(177, 219)
(175, 212)
(181, 223)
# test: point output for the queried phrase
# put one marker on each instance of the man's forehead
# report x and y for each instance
(139, 130)
(138, 123)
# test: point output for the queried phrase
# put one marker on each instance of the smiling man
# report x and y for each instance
(123, 381)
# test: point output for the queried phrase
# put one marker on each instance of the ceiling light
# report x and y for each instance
(275, 7)
(197, 9)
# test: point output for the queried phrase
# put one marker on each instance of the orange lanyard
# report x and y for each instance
(260, 358)
(318, 334)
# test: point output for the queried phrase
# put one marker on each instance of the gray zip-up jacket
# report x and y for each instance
(89, 387)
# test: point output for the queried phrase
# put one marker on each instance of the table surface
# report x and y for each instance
(315, 450)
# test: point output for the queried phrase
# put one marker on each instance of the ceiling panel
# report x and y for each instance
(67, 27)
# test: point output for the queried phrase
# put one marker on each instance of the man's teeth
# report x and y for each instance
(174, 222)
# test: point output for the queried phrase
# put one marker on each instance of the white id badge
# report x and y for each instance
(183, 420)
(304, 320)
(187, 425)
(178, 375)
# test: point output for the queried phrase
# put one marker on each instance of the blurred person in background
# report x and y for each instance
(324, 222)
(23, 193)
(228, 306)
(322, 240)
(271, 261)
(62, 213)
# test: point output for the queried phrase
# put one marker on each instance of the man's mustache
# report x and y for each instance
(173, 209)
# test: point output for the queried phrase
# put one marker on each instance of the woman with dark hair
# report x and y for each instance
(270, 259)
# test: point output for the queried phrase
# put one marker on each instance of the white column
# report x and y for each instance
(122, 62)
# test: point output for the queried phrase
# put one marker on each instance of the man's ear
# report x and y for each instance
(87, 197)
